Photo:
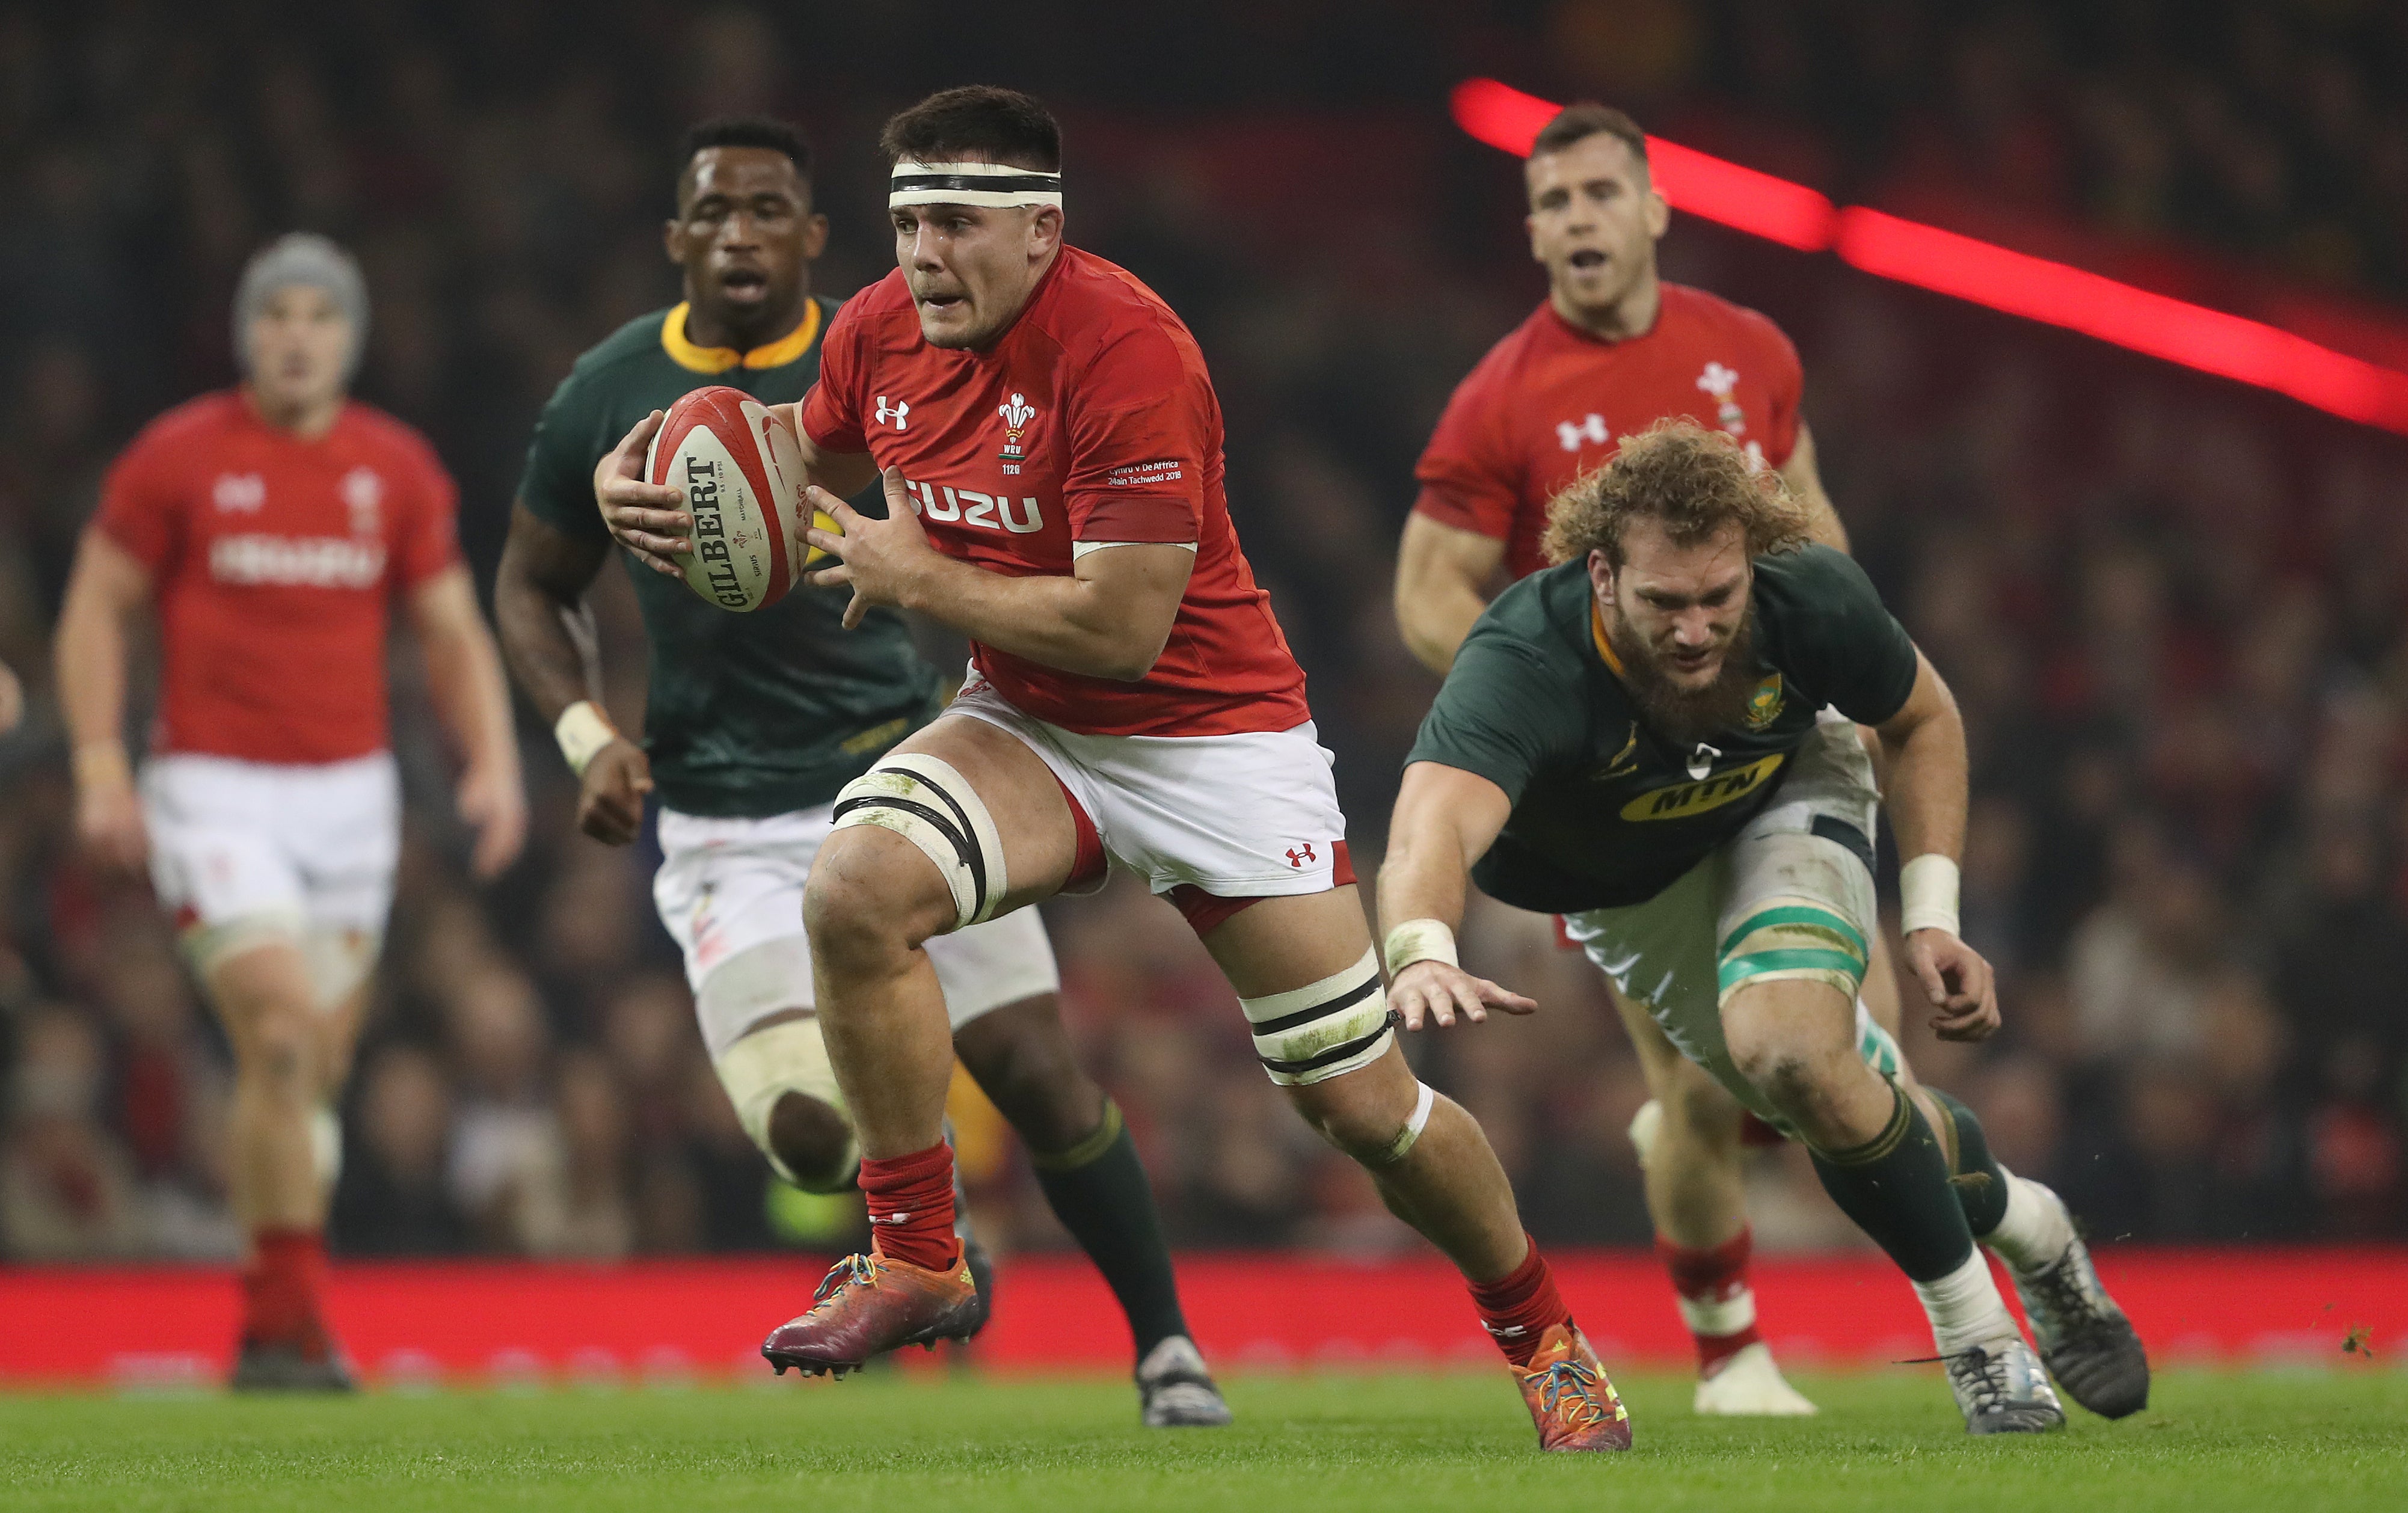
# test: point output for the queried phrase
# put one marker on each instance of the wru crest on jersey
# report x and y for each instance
(996, 511)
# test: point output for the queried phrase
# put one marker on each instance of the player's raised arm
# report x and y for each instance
(1445, 819)
(1924, 743)
(107, 591)
(1444, 573)
(464, 673)
(1109, 618)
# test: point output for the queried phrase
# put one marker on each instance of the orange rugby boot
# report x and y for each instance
(868, 1304)
(1570, 1396)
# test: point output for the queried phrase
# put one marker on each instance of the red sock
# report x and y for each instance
(911, 1201)
(1520, 1306)
(1716, 1300)
(281, 1286)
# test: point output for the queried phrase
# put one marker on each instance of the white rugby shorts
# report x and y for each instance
(236, 842)
(1683, 951)
(1252, 815)
(730, 892)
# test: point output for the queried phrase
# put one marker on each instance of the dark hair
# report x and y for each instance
(978, 121)
(748, 131)
(1579, 123)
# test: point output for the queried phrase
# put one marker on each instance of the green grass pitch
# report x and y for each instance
(1328, 1444)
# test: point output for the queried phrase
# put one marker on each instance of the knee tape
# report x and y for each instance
(326, 1146)
(1324, 1029)
(789, 1056)
(1793, 939)
(1403, 1146)
(934, 808)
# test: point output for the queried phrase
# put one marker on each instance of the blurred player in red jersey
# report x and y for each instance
(270, 529)
(1051, 448)
(1612, 351)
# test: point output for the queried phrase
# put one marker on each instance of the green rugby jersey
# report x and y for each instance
(749, 715)
(1606, 813)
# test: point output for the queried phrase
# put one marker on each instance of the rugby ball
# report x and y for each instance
(742, 474)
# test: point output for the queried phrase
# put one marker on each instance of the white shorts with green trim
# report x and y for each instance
(1789, 897)
(730, 892)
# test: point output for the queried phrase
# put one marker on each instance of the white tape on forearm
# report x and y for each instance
(1418, 940)
(583, 730)
(1928, 888)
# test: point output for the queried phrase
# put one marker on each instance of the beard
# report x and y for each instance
(1682, 715)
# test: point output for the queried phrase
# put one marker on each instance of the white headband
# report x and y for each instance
(995, 185)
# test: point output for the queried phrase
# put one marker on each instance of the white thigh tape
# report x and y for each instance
(928, 802)
(1324, 1028)
(210, 945)
(341, 960)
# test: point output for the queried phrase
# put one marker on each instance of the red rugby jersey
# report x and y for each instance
(273, 560)
(1551, 401)
(1091, 419)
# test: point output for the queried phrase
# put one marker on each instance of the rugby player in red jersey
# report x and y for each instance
(753, 725)
(1612, 349)
(1051, 450)
(272, 529)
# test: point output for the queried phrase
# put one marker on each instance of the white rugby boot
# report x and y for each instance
(1174, 1391)
(1750, 1385)
(2001, 1389)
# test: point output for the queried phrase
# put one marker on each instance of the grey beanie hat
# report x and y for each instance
(301, 257)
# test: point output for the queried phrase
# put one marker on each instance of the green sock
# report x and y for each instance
(1099, 1189)
(1895, 1186)
(1979, 1181)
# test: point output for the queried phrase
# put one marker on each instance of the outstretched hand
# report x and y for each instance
(1433, 992)
(1958, 982)
(643, 517)
(881, 560)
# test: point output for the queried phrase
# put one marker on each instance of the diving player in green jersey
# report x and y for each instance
(755, 721)
(1657, 739)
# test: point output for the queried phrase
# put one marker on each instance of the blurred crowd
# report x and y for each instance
(2175, 612)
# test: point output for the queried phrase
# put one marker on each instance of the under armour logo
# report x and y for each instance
(1298, 857)
(1589, 428)
(895, 412)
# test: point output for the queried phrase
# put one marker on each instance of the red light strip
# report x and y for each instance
(1982, 272)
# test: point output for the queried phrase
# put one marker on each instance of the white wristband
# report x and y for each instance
(1926, 890)
(583, 730)
(1418, 940)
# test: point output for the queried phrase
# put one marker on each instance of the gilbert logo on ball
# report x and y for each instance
(742, 474)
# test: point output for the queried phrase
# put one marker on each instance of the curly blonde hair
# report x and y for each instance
(1693, 480)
